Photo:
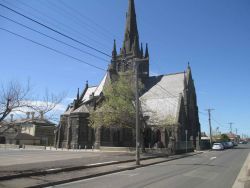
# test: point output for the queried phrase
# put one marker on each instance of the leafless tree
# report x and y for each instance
(15, 97)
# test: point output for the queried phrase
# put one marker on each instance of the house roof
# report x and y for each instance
(162, 97)
(24, 136)
(36, 121)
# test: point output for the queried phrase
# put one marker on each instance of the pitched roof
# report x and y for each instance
(96, 90)
(24, 136)
(162, 97)
(81, 109)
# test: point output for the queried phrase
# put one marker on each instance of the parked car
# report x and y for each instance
(217, 146)
(230, 144)
(235, 143)
(227, 145)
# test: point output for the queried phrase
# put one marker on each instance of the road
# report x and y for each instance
(217, 169)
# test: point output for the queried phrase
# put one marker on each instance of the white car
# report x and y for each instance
(218, 146)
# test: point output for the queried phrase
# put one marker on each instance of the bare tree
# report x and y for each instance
(15, 97)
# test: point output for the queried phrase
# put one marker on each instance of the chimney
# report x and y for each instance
(32, 115)
(28, 115)
(11, 117)
(41, 114)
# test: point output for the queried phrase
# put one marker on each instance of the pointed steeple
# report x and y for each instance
(136, 47)
(141, 50)
(78, 95)
(131, 32)
(114, 52)
(146, 52)
(189, 73)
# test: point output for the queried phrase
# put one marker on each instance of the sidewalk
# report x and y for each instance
(94, 159)
(243, 179)
(85, 172)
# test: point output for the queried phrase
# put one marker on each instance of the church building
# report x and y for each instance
(168, 99)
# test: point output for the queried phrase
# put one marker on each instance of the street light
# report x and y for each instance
(186, 132)
(137, 115)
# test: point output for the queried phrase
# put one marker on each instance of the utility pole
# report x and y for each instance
(210, 126)
(137, 158)
(231, 126)
(186, 132)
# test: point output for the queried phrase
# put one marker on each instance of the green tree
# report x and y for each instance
(117, 109)
(224, 138)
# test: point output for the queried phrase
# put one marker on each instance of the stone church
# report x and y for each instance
(168, 99)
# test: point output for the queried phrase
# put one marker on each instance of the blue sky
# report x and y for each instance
(212, 35)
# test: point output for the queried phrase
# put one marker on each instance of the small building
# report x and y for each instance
(27, 139)
(37, 127)
(32, 130)
(8, 132)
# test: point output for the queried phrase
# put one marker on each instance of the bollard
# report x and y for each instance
(79, 147)
(85, 147)
(92, 148)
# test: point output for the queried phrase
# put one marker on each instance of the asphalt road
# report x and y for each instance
(217, 169)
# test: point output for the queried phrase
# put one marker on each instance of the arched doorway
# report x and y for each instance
(2, 140)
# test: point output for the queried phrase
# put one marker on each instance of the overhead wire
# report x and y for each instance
(54, 30)
(52, 49)
(60, 41)
(60, 9)
(101, 28)
(69, 30)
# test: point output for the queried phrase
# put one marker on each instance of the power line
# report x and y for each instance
(52, 49)
(9, 19)
(54, 30)
(101, 28)
(79, 35)
(61, 8)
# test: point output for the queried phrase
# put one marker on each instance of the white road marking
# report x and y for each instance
(130, 175)
(212, 158)
(52, 169)
(101, 163)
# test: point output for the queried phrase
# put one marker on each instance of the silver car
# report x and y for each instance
(218, 146)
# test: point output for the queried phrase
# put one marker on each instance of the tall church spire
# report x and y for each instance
(131, 32)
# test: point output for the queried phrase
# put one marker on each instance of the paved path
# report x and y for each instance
(19, 161)
(217, 169)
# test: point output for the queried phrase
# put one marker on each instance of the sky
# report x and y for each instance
(214, 36)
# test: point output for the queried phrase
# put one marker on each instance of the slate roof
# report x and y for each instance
(162, 97)
(96, 90)
(81, 109)
(37, 121)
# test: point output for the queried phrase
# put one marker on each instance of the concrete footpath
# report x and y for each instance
(243, 179)
(64, 175)
(15, 164)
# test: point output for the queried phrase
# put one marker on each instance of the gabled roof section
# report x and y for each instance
(100, 88)
(89, 92)
(81, 109)
(161, 100)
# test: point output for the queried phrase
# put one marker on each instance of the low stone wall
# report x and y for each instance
(117, 149)
(9, 146)
(33, 147)
(243, 179)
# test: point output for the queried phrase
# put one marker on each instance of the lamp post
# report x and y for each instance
(186, 132)
(137, 116)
